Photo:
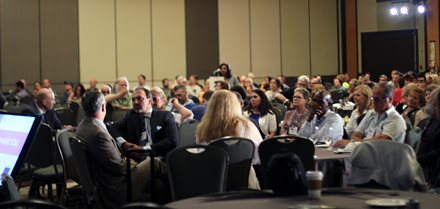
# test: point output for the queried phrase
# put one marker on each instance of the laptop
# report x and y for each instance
(17, 132)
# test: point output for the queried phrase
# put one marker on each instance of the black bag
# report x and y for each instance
(286, 174)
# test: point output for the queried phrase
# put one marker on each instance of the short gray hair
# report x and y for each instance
(304, 78)
(92, 102)
(388, 90)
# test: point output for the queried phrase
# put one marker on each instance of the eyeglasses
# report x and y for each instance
(378, 99)
(139, 98)
(298, 97)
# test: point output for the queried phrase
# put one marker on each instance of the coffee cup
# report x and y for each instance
(314, 183)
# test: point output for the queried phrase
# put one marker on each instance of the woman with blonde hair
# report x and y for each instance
(224, 117)
(362, 98)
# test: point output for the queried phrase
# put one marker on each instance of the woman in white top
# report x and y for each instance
(260, 111)
(362, 99)
(223, 117)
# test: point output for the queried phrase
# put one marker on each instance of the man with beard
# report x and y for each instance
(143, 126)
(180, 94)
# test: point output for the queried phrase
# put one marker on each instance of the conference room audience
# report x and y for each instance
(260, 111)
(406, 90)
(199, 110)
(225, 72)
(145, 126)
(362, 99)
(421, 80)
(294, 119)
(44, 103)
(92, 85)
(249, 85)
(232, 123)
(428, 154)
(351, 89)
(36, 88)
(385, 123)
(422, 113)
(276, 87)
(193, 88)
(166, 87)
(122, 98)
(321, 121)
(219, 85)
(108, 163)
(414, 101)
(160, 101)
(141, 82)
(180, 93)
(78, 94)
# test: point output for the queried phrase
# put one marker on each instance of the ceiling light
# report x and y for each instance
(393, 11)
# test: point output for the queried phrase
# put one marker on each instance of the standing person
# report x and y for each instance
(322, 122)
(260, 111)
(294, 119)
(108, 164)
(225, 71)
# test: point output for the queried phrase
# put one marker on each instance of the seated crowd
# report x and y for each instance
(311, 108)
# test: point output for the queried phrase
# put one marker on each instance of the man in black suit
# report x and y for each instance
(142, 126)
(45, 100)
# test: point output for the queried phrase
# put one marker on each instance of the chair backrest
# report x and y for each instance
(15, 108)
(196, 170)
(187, 133)
(240, 152)
(62, 140)
(302, 147)
(42, 151)
(118, 114)
(82, 166)
(35, 204)
(10, 191)
(389, 163)
(81, 115)
(66, 115)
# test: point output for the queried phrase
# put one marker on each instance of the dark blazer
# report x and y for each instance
(107, 163)
(50, 117)
(163, 130)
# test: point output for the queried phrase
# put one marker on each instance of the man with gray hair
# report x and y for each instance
(108, 163)
(303, 82)
(385, 123)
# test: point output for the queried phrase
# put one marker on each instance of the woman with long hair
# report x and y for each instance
(260, 111)
(224, 117)
(225, 72)
(362, 98)
(276, 87)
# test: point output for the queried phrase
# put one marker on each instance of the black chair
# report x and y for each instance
(79, 152)
(43, 155)
(66, 115)
(129, 153)
(187, 133)
(10, 191)
(240, 152)
(35, 204)
(196, 170)
(142, 205)
(302, 147)
(69, 167)
(15, 107)
(118, 114)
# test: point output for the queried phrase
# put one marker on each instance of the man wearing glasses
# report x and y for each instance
(142, 126)
(385, 123)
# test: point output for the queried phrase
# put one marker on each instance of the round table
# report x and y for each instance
(338, 197)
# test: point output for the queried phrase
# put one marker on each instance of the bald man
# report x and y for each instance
(44, 102)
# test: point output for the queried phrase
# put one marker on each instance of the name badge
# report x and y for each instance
(293, 130)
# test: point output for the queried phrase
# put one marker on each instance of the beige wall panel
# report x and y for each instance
(19, 33)
(234, 35)
(295, 37)
(133, 38)
(367, 22)
(324, 40)
(59, 41)
(265, 37)
(97, 40)
(168, 25)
